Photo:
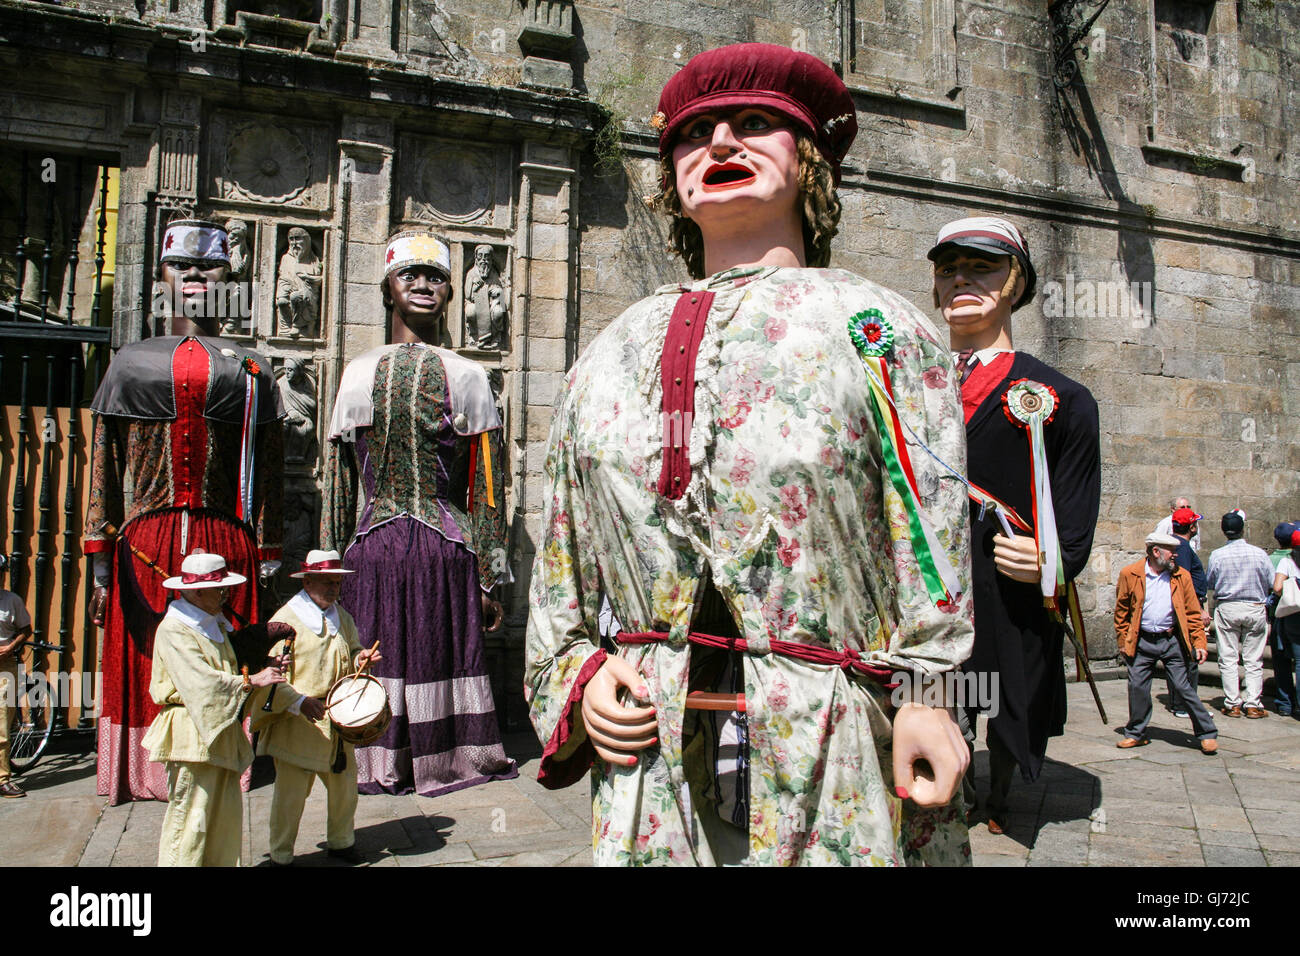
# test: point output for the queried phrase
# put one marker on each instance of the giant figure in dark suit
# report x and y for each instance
(983, 273)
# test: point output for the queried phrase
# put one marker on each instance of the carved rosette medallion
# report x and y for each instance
(266, 164)
(458, 184)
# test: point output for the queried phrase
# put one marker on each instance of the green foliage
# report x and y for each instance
(612, 96)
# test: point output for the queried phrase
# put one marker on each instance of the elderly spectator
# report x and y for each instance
(1185, 528)
(1157, 618)
(1240, 578)
(1166, 524)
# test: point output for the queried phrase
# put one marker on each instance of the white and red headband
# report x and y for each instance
(417, 248)
(195, 239)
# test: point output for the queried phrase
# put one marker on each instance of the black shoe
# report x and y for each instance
(349, 854)
(275, 864)
(11, 791)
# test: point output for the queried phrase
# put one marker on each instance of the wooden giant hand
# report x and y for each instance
(928, 735)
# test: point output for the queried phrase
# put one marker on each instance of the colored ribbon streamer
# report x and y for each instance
(984, 499)
(1032, 405)
(247, 446)
(873, 337)
(487, 470)
(473, 474)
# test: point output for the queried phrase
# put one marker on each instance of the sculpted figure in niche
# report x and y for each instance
(297, 287)
(297, 385)
(241, 269)
(485, 302)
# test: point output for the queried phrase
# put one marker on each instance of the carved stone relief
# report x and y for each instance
(487, 303)
(299, 277)
(265, 161)
(242, 258)
(296, 379)
(453, 183)
(296, 376)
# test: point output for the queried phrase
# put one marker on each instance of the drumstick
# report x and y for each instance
(369, 657)
(349, 696)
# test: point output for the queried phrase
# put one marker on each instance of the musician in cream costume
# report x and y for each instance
(195, 679)
(292, 725)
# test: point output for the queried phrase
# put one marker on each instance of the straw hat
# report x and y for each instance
(322, 562)
(203, 570)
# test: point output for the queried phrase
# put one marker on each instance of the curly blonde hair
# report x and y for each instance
(820, 210)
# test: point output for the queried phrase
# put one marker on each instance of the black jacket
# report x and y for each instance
(1187, 558)
(1015, 635)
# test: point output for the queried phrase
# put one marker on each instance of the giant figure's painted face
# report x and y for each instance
(737, 165)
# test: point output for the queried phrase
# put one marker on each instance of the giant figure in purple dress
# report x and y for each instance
(415, 492)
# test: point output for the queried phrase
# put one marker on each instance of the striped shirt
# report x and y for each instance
(1239, 572)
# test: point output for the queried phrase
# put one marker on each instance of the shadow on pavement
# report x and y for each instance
(1062, 794)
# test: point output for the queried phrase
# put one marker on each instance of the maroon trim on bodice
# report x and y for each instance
(191, 369)
(677, 367)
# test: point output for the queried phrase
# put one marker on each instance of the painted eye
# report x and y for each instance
(700, 129)
(755, 122)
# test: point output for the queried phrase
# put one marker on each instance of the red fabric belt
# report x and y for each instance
(677, 368)
(847, 659)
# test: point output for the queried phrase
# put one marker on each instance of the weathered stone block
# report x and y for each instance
(547, 317)
(549, 280)
(546, 74)
(1186, 363)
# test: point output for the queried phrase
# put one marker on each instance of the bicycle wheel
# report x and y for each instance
(31, 722)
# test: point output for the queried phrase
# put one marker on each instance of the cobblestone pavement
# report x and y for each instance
(1165, 804)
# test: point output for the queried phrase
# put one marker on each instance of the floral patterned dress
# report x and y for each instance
(789, 515)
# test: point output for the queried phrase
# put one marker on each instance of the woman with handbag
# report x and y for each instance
(1286, 585)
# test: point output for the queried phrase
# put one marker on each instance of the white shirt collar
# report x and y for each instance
(309, 612)
(985, 356)
(209, 625)
(1153, 575)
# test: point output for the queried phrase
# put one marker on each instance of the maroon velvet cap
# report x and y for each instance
(797, 85)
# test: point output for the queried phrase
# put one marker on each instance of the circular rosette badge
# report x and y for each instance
(1027, 401)
(871, 333)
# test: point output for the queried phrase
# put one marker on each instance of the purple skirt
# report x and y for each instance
(418, 593)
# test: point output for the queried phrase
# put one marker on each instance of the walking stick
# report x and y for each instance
(1080, 652)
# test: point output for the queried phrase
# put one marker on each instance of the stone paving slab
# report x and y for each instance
(1165, 804)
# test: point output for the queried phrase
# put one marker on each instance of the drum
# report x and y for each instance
(358, 709)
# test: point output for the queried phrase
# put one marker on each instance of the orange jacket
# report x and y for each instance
(1131, 592)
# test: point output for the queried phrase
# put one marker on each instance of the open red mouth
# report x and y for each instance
(727, 174)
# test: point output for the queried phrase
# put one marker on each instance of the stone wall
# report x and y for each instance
(1146, 156)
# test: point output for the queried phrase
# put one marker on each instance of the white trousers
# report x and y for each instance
(1241, 627)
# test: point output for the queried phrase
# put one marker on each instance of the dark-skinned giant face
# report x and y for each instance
(417, 274)
(193, 267)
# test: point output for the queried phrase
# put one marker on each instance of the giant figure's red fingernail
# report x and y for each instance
(902, 794)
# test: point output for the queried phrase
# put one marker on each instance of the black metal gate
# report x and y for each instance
(54, 345)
